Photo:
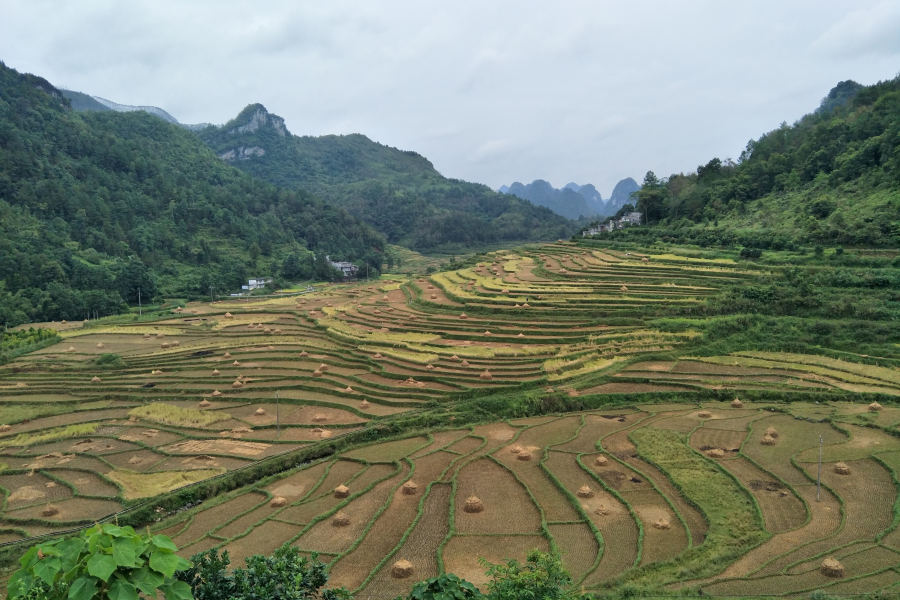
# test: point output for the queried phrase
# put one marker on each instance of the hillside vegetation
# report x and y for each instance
(398, 192)
(96, 205)
(831, 178)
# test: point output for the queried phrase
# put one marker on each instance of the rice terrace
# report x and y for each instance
(564, 397)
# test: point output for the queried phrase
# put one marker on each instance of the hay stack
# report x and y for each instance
(384, 298)
(526, 305)
(523, 456)
(304, 354)
(341, 491)
(378, 355)
(364, 404)
(662, 524)
(323, 367)
(831, 567)
(772, 432)
(463, 316)
(95, 380)
(434, 297)
(473, 504)
(410, 489)
(601, 461)
(464, 363)
(521, 335)
(146, 336)
(226, 355)
(240, 430)
(236, 363)
(716, 453)
(602, 510)
(259, 412)
(276, 331)
(767, 440)
(585, 492)
(376, 311)
(228, 315)
(70, 349)
(454, 358)
(704, 414)
(623, 289)
(4, 428)
(205, 404)
(135, 460)
(875, 407)
(645, 259)
(217, 393)
(278, 502)
(49, 511)
(164, 345)
(317, 373)
(504, 291)
(429, 367)
(348, 390)
(237, 384)
(517, 449)
(160, 335)
(736, 403)
(402, 569)
(20, 385)
(319, 418)
(842, 468)
(486, 375)
(267, 330)
(487, 332)
(340, 519)
(100, 345)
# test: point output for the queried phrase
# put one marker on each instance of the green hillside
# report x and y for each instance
(94, 205)
(398, 192)
(831, 178)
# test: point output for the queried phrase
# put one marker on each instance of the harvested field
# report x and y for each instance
(461, 553)
(507, 505)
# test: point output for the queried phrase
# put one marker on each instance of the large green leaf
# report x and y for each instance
(163, 541)
(146, 580)
(101, 565)
(47, 568)
(177, 590)
(70, 552)
(20, 582)
(165, 562)
(83, 588)
(122, 590)
(124, 551)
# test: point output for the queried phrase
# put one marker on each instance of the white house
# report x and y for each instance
(632, 218)
(347, 268)
(255, 284)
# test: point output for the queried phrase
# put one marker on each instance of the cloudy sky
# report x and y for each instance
(489, 91)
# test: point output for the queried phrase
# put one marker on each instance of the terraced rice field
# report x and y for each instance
(668, 495)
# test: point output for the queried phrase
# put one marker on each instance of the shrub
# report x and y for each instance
(448, 586)
(105, 562)
(110, 361)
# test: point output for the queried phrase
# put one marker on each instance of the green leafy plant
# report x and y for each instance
(445, 587)
(283, 576)
(542, 577)
(105, 562)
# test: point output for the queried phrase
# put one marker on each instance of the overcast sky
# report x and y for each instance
(489, 91)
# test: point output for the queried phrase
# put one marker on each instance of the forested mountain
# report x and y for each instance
(573, 201)
(833, 177)
(398, 192)
(94, 205)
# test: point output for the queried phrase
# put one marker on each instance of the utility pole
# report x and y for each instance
(277, 418)
(210, 294)
(819, 478)
(140, 309)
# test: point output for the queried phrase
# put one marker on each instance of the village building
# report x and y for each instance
(347, 268)
(255, 284)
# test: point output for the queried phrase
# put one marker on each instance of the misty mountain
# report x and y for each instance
(84, 102)
(573, 200)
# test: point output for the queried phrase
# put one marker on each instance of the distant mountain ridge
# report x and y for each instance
(85, 102)
(573, 201)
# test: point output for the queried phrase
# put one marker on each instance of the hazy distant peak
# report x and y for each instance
(252, 118)
(503, 189)
(153, 110)
(573, 186)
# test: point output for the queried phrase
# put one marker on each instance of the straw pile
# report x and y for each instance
(526, 305)
(704, 414)
(228, 315)
(662, 524)
(623, 289)
(348, 390)
(434, 296)
(20, 385)
(100, 345)
(517, 449)
(95, 380)
(523, 456)
(737, 403)
(237, 384)
(716, 453)
(645, 259)
(226, 355)
(70, 349)
(4, 428)
(205, 404)
(410, 489)
(602, 510)
(304, 354)
(259, 412)
(767, 440)
(217, 393)
(487, 332)
(236, 363)
(772, 432)
(323, 367)
(454, 358)
(521, 335)
(318, 418)
(341, 491)
(465, 363)
(831, 567)
(585, 492)
(842, 468)
(49, 511)
(385, 298)
(364, 404)
(402, 569)
(317, 373)
(378, 355)
(164, 345)
(463, 316)
(601, 461)
(278, 502)
(240, 430)
(875, 407)
(473, 505)
(340, 519)
(486, 375)
(429, 367)
(216, 372)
